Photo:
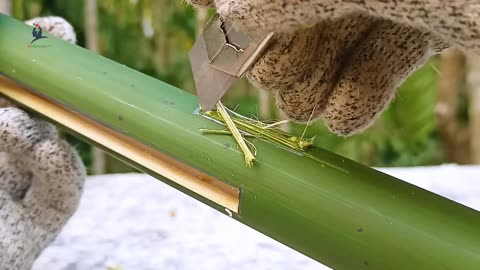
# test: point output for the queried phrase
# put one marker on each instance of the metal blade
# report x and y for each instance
(211, 84)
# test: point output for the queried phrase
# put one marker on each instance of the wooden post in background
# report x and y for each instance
(473, 82)
(456, 138)
(91, 22)
(91, 38)
(160, 12)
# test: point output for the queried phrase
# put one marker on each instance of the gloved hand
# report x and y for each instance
(56, 26)
(41, 180)
(344, 60)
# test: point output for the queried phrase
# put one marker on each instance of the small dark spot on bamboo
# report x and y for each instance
(105, 73)
(132, 85)
(120, 117)
(360, 230)
(365, 262)
(227, 145)
(171, 103)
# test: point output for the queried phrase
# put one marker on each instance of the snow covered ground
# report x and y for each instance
(133, 222)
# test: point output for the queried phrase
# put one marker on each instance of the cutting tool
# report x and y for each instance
(220, 56)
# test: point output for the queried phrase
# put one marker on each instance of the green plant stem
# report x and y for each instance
(334, 210)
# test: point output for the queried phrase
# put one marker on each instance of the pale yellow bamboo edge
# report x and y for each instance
(190, 178)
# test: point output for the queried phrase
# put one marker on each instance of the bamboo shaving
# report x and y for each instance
(249, 157)
(253, 128)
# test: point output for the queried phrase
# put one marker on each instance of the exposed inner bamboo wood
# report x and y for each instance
(174, 170)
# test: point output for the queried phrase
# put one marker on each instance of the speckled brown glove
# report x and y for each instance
(344, 60)
(41, 178)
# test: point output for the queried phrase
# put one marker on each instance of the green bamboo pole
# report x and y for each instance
(336, 211)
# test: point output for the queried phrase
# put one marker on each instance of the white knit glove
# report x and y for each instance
(344, 60)
(41, 181)
(56, 26)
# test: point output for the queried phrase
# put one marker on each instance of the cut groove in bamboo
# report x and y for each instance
(188, 177)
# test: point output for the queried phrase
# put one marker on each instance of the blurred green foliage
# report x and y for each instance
(154, 37)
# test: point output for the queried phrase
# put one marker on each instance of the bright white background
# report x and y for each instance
(134, 222)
